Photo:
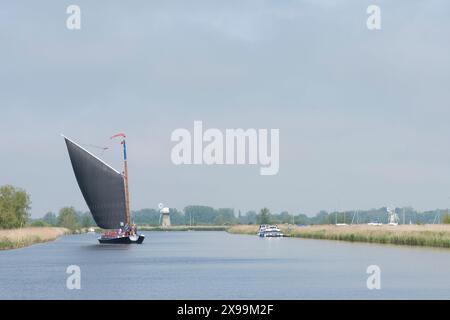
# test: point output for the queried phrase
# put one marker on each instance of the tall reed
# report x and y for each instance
(411, 235)
(18, 238)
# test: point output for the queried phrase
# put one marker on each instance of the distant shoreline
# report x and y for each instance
(408, 235)
(24, 237)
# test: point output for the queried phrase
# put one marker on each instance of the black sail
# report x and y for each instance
(102, 187)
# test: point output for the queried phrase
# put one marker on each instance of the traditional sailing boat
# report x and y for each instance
(105, 191)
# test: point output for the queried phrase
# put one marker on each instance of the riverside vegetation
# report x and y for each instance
(18, 238)
(18, 230)
(411, 235)
(15, 205)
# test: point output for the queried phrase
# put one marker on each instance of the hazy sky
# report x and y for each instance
(364, 116)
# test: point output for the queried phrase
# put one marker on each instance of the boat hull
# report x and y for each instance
(123, 240)
(272, 235)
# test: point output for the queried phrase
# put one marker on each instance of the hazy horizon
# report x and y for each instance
(363, 115)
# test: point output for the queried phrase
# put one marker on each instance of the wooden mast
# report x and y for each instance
(125, 176)
(127, 195)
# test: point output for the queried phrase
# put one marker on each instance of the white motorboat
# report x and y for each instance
(267, 231)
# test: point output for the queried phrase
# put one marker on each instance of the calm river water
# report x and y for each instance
(218, 265)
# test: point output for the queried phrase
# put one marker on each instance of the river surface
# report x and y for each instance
(218, 265)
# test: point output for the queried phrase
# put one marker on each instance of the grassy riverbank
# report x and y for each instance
(183, 228)
(411, 235)
(18, 238)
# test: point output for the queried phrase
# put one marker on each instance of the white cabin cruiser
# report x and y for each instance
(267, 231)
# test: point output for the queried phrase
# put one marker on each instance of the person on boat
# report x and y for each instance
(127, 229)
(121, 228)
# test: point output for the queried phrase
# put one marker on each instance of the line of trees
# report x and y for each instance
(191, 215)
(406, 215)
(15, 207)
(67, 217)
(204, 215)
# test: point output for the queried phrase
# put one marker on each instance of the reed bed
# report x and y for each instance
(410, 235)
(18, 238)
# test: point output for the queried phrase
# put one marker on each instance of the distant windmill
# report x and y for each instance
(164, 217)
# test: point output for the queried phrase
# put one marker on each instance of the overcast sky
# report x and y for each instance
(364, 116)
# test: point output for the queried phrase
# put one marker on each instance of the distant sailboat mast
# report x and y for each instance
(125, 176)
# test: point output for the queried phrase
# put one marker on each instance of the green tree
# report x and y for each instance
(14, 207)
(50, 218)
(301, 219)
(219, 221)
(39, 223)
(224, 216)
(147, 217)
(285, 217)
(199, 215)
(67, 218)
(446, 218)
(250, 217)
(85, 220)
(264, 216)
